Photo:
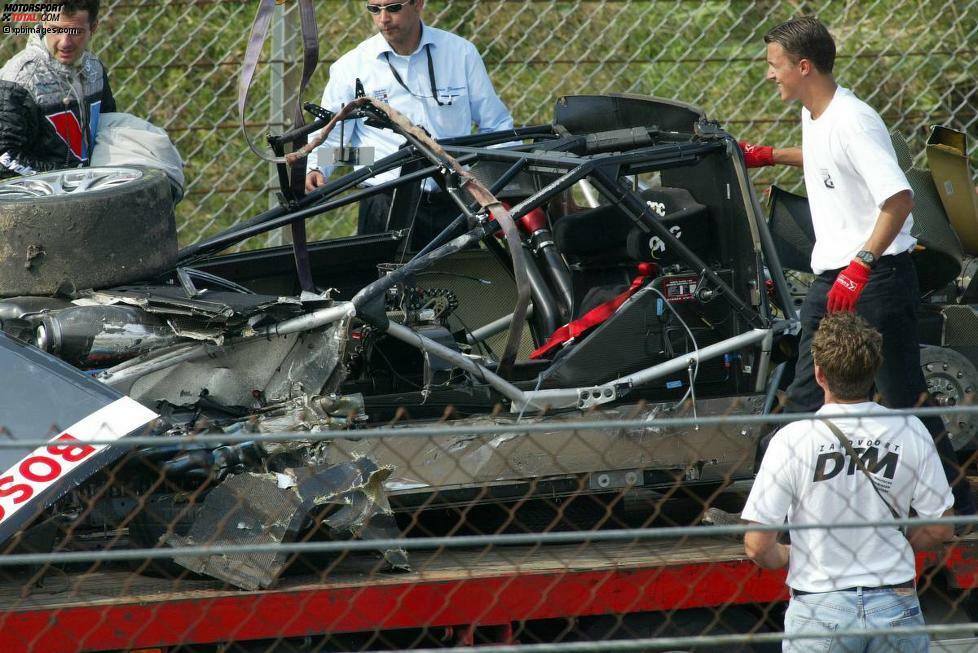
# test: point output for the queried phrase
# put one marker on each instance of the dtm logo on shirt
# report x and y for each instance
(830, 464)
(826, 178)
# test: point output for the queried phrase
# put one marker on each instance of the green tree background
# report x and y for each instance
(176, 62)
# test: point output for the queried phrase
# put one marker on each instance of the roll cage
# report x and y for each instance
(608, 141)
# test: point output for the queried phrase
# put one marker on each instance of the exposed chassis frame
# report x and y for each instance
(600, 158)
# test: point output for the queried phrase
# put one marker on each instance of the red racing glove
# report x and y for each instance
(848, 286)
(757, 156)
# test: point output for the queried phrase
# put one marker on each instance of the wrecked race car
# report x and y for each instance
(612, 265)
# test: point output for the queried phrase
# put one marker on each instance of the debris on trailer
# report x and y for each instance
(258, 509)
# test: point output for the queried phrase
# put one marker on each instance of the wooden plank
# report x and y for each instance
(111, 609)
(106, 586)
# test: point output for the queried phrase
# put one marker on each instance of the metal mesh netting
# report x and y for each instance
(491, 533)
(176, 62)
(321, 479)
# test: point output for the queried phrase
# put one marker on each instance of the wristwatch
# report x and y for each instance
(867, 257)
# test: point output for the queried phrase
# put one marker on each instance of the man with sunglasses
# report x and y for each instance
(435, 78)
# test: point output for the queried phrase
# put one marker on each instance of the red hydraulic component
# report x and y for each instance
(534, 221)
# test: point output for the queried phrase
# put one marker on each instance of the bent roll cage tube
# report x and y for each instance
(575, 158)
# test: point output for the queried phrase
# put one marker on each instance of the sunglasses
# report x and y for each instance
(392, 8)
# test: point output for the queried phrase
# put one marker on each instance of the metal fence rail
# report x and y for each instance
(146, 553)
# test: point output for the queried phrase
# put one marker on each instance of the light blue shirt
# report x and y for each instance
(463, 87)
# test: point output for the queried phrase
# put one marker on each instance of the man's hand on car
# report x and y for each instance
(314, 179)
(848, 286)
(757, 156)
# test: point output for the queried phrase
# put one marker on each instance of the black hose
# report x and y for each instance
(543, 300)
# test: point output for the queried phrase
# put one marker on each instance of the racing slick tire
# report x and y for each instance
(69, 230)
(952, 380)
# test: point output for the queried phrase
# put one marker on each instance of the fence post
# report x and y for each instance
(283, 86)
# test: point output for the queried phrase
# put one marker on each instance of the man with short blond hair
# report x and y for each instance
(852, 578)
(52, 94)
(849, 352)
(861, 204)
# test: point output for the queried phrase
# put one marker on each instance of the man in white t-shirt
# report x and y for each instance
(852, 578)
(860, 203)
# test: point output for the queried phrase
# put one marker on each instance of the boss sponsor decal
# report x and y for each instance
(657, 246)
(51, 463)
(657, 207)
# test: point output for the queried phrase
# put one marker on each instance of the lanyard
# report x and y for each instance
(431, 76)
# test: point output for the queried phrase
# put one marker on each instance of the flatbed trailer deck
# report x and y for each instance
(108, 609)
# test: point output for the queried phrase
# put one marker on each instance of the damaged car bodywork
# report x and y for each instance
(530, 307)
(252, 508)
(59, 494)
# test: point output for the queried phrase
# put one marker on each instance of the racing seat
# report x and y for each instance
(605, 245)
(605, 248)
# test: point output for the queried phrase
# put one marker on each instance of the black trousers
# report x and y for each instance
(889, 302)
(435, 211)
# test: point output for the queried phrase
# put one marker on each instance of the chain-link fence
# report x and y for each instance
(490, 532)
(176, 62)
(260, 513)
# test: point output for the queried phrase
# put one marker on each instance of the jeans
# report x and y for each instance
(876, 609)
(889, 303)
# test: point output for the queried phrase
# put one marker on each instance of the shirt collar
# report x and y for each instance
(427, 36)
(845, 409)
(380, 46)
